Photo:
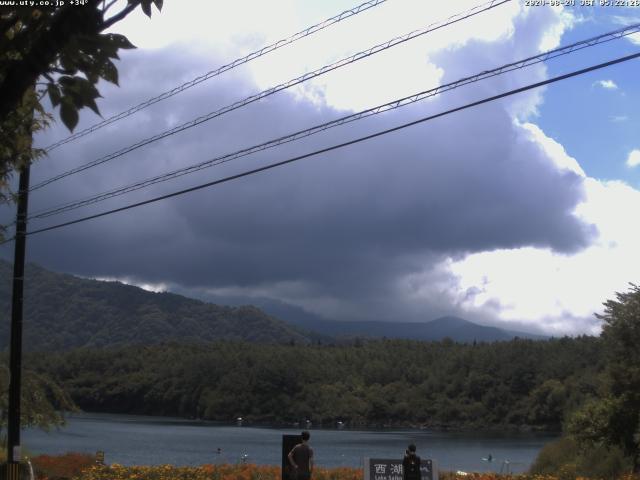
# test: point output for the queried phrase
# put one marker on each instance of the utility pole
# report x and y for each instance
(15, 360)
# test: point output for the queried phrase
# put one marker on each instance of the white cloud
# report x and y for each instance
(553, 35)
(555, 152)
(606, 84)
(237, 29)
(558, 292)
(619, 118)
(633, 160)
(625, 19)
(628, 20)
(201, 24)
(149, 287)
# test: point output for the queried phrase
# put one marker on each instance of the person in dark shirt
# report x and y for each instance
(301, 458)
(411, 464)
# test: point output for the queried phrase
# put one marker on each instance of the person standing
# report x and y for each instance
(301, 458)
(411, 464)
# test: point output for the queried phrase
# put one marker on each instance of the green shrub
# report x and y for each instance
(565, 459)
(554, 456)
(603, 462)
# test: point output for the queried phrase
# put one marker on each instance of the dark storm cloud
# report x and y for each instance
(348, 225)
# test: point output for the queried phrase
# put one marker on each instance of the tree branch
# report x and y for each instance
(61, 71)
(108, 6)
(119, 16)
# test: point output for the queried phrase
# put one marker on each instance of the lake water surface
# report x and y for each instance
(139, 440)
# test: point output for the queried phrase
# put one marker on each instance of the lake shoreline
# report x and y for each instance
(149, 440)
(397, 426)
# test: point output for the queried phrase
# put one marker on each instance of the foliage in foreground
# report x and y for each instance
(42, 400)
(602, 437)
(56, 52)
(565, 458)
(612, 419)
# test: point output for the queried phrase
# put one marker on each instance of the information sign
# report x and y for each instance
(391, 469)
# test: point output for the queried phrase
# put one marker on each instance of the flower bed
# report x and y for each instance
(82, 467)
(209, 472)
(58, 467)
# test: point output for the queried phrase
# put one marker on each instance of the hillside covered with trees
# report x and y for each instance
(522, 383)
(63, 311)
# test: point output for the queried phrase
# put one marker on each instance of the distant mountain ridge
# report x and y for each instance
(63, 311)
(455, 328)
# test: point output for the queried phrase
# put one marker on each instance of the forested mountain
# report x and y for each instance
(520, 383)
(63, 311)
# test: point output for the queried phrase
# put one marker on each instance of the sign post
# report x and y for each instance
(391, 469)
(14, 454)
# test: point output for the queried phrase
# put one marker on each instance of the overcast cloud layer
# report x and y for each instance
(435, 219)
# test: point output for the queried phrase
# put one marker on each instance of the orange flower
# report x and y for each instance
(82, 467)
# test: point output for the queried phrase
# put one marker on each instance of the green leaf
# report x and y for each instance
(119, 41)
(91, 103)
(66, 81)
(146, 7)
(158, 4)
(89, 44)
(68, 62)
(83, 94)
(54, 94)
(86, 88)
(69, 114)
(109, 72)
(92, 76)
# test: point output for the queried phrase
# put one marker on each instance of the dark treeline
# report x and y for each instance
(521, 383)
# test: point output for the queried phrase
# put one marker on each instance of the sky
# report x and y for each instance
(518, 213)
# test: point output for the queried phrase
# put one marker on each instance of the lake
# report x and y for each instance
(140, 440)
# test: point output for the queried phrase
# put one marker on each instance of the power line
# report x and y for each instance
(606, 37)
(342, 145)
(265, 93)
(213, 73)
